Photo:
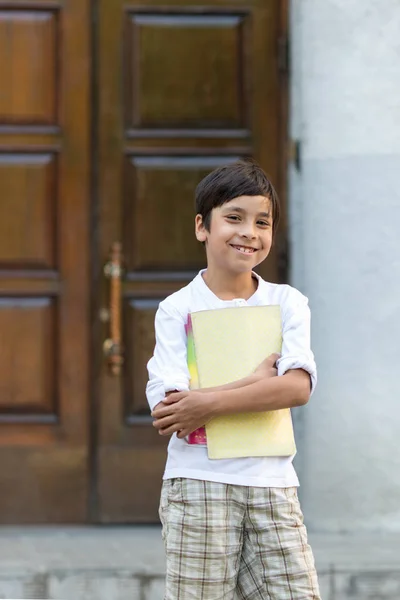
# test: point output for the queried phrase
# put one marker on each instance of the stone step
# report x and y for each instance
(127, 563)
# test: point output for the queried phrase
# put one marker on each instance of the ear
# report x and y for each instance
(201, 233)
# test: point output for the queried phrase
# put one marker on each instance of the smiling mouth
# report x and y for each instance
(244, 249)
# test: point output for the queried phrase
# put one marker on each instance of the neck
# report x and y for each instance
(228, 287)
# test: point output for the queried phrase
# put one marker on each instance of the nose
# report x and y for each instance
(248, 231)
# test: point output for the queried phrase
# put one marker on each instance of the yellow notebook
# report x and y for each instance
(225, 345)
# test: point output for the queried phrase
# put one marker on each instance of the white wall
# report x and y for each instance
(345, 223)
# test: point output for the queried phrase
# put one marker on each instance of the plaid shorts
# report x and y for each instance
(226, 542)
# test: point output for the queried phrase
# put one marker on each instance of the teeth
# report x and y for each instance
(245, 250)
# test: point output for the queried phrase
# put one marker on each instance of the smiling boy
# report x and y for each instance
(232, 528)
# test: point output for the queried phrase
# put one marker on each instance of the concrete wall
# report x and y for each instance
(345, 223)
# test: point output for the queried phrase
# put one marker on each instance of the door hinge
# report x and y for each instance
(294, 153)
(283, 258)
(283, 54)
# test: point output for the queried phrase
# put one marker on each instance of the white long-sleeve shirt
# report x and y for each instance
(168, 371)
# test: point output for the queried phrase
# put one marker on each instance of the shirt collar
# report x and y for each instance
(254, 300)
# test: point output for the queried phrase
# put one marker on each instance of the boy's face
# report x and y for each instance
(240, 235)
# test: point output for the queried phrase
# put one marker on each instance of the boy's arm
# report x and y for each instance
(167, 369)
(293, 389)
(296, 343)
(233, 385)
(184, 411)
(296, 363)
(266, 369)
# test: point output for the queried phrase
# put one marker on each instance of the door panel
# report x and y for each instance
(203, 85)
(28, 40)
(183, 88)
(158, 215)
(44, 240)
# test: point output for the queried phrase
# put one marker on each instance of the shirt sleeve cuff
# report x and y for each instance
(288, 363)
(157, 388)
(171, 384)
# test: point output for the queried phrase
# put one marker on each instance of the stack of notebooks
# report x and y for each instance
(225, 345)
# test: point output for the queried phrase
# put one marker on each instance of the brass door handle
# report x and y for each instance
(112, 346)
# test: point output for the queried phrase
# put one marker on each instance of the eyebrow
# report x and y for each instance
(242, 211)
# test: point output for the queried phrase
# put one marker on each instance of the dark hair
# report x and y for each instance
(241, 178)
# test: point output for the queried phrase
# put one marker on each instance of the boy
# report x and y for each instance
(232, 528)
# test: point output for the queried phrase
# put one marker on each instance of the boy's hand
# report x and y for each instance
(182, 413)
(268, 366)
(162, 404)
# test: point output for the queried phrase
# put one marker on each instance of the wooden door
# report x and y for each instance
(183, 87)
(44, 277)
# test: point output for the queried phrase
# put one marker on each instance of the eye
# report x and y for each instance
(263, 223)
(233, 217)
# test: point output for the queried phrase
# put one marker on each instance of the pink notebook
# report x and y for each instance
(199, 436)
